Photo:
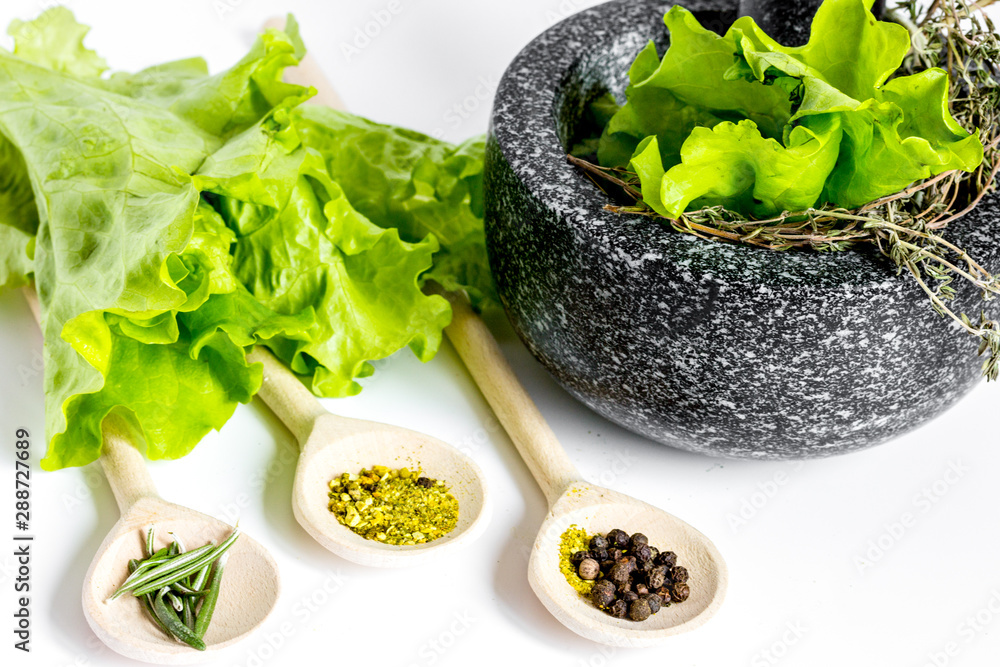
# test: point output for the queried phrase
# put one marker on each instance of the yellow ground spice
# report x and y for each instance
(399, 507)
(573, 540)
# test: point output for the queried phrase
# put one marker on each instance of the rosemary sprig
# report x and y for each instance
(905, 227)
(178, 588)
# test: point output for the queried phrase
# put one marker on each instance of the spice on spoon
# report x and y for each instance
(175, 588)
(621, 574)
(398, 507)
(573, 549)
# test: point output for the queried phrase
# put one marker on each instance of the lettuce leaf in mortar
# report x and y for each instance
(744, 122)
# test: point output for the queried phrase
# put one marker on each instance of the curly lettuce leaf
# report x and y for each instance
(300, 243)
(120, 245)
(744, 122)
(227, 103)
(173, 219)
(907, 136)
(722, 166)
(18, 218)
(55, 40)
(895, 133)
(668, 98)
(408, 181)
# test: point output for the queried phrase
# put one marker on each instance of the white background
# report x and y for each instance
(794, 535)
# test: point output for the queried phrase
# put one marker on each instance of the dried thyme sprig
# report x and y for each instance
(905, 227)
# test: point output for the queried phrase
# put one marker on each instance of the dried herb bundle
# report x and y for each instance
(906, 227)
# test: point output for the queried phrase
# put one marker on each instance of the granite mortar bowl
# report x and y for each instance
(716, 348)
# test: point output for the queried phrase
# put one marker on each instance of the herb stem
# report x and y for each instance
(175, 627)
(208, 605)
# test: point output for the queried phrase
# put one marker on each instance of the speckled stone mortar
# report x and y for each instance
(722, 349)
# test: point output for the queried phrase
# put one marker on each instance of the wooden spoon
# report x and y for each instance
(573, 501)
(332, 445)
(249, 589)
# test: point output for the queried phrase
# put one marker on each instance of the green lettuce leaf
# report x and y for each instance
(721, 166)
(172, 219)
(55, 40)
(744, 122)
(18, 218)
(300, 243)
(413, 183)
(687, 89)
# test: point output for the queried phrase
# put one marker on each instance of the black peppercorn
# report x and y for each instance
(657, 577)
(603, 593)
(636, 540)
(639, 610)
(631, 578)
(618, 538)
(619, 575)
(589, 569)
(598, 542)
(667, 559)
(628, 562)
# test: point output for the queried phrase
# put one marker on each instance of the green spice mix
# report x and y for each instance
(399, 507)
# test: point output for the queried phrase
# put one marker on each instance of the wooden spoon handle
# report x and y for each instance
(545, 456)
(124, 465)
(122, 462)
(285, 394)
(308, 73)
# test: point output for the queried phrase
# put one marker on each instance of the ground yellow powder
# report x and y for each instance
(398, 507)
(573, 540)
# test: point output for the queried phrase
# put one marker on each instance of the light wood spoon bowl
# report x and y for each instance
(250, 586)
(332, 445)
(573, 501)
